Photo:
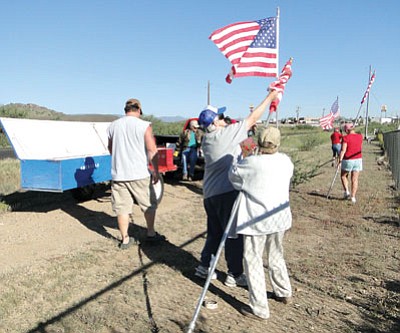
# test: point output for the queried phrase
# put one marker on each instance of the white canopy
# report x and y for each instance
(55, 140)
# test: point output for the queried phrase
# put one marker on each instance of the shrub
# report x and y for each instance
(310, 141)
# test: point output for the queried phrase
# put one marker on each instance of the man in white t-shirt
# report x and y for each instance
(132, 147)
(221, 148)
(262, 218)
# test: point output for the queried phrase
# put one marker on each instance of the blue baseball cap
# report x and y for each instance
(208, 115)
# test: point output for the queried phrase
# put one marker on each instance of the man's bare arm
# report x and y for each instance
(152, 152)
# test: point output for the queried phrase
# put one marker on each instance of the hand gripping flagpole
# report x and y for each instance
(214, 262)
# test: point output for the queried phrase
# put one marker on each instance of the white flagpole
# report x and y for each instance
(277, 57)
(366, 109)
(277, 41)
(213, 263)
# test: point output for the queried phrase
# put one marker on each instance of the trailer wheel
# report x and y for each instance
(83, 193)
(159, 189)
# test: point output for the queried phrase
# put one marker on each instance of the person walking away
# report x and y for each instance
(262, 218)
(336, 139)
(221, 148)
(189, 144)
(132, 147)
(351, 161)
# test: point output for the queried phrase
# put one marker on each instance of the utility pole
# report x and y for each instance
(323, 112)
(297, 114)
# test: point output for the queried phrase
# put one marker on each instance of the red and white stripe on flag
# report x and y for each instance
(279, 85)
(368, 88)
(251, 47)
(327, 121)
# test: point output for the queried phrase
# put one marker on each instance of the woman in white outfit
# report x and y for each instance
(262, 218)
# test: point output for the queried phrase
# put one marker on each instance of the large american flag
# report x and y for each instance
(327, 121)
(251, 47)
(369, 87)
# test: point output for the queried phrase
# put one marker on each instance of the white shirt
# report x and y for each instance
(129, 159)
(264, 203)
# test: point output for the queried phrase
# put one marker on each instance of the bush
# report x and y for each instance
(310, 141)
(302, 175)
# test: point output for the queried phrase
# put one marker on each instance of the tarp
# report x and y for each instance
(55, 140)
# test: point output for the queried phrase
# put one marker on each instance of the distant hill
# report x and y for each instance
(33, 111)
(171, 119)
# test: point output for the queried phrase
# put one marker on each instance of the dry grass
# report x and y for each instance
(9, 176)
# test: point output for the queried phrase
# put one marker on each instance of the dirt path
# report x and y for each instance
(62, 272)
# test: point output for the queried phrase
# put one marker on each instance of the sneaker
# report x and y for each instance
(248, 312)
(346, 195)
(202, 272)
(185, 177)
(353, 200)
(284, 300)
(125, 246)
(157, 238)
(240, 281)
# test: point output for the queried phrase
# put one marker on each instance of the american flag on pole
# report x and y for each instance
(327, 121)
(369, 87)
(279, 85)
(251, 47)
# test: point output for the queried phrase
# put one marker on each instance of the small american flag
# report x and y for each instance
(279, 85)
(327, 121)
(251, 47)
(369, 87)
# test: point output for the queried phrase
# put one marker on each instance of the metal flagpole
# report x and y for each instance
(355, 120)
(333, 181)
(214, 262)
(277, 57)
(366, 110)
(267, 120)
(277, 41)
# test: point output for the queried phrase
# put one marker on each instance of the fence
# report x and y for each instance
(392, 150)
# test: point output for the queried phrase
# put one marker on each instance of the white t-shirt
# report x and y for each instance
(129, 159)
(264, 203)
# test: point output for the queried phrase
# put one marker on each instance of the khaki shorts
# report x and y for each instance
(125, 193)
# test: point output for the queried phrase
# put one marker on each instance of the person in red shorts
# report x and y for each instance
(336, 139)
(351, 161)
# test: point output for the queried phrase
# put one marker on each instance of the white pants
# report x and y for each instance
(253, 265)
